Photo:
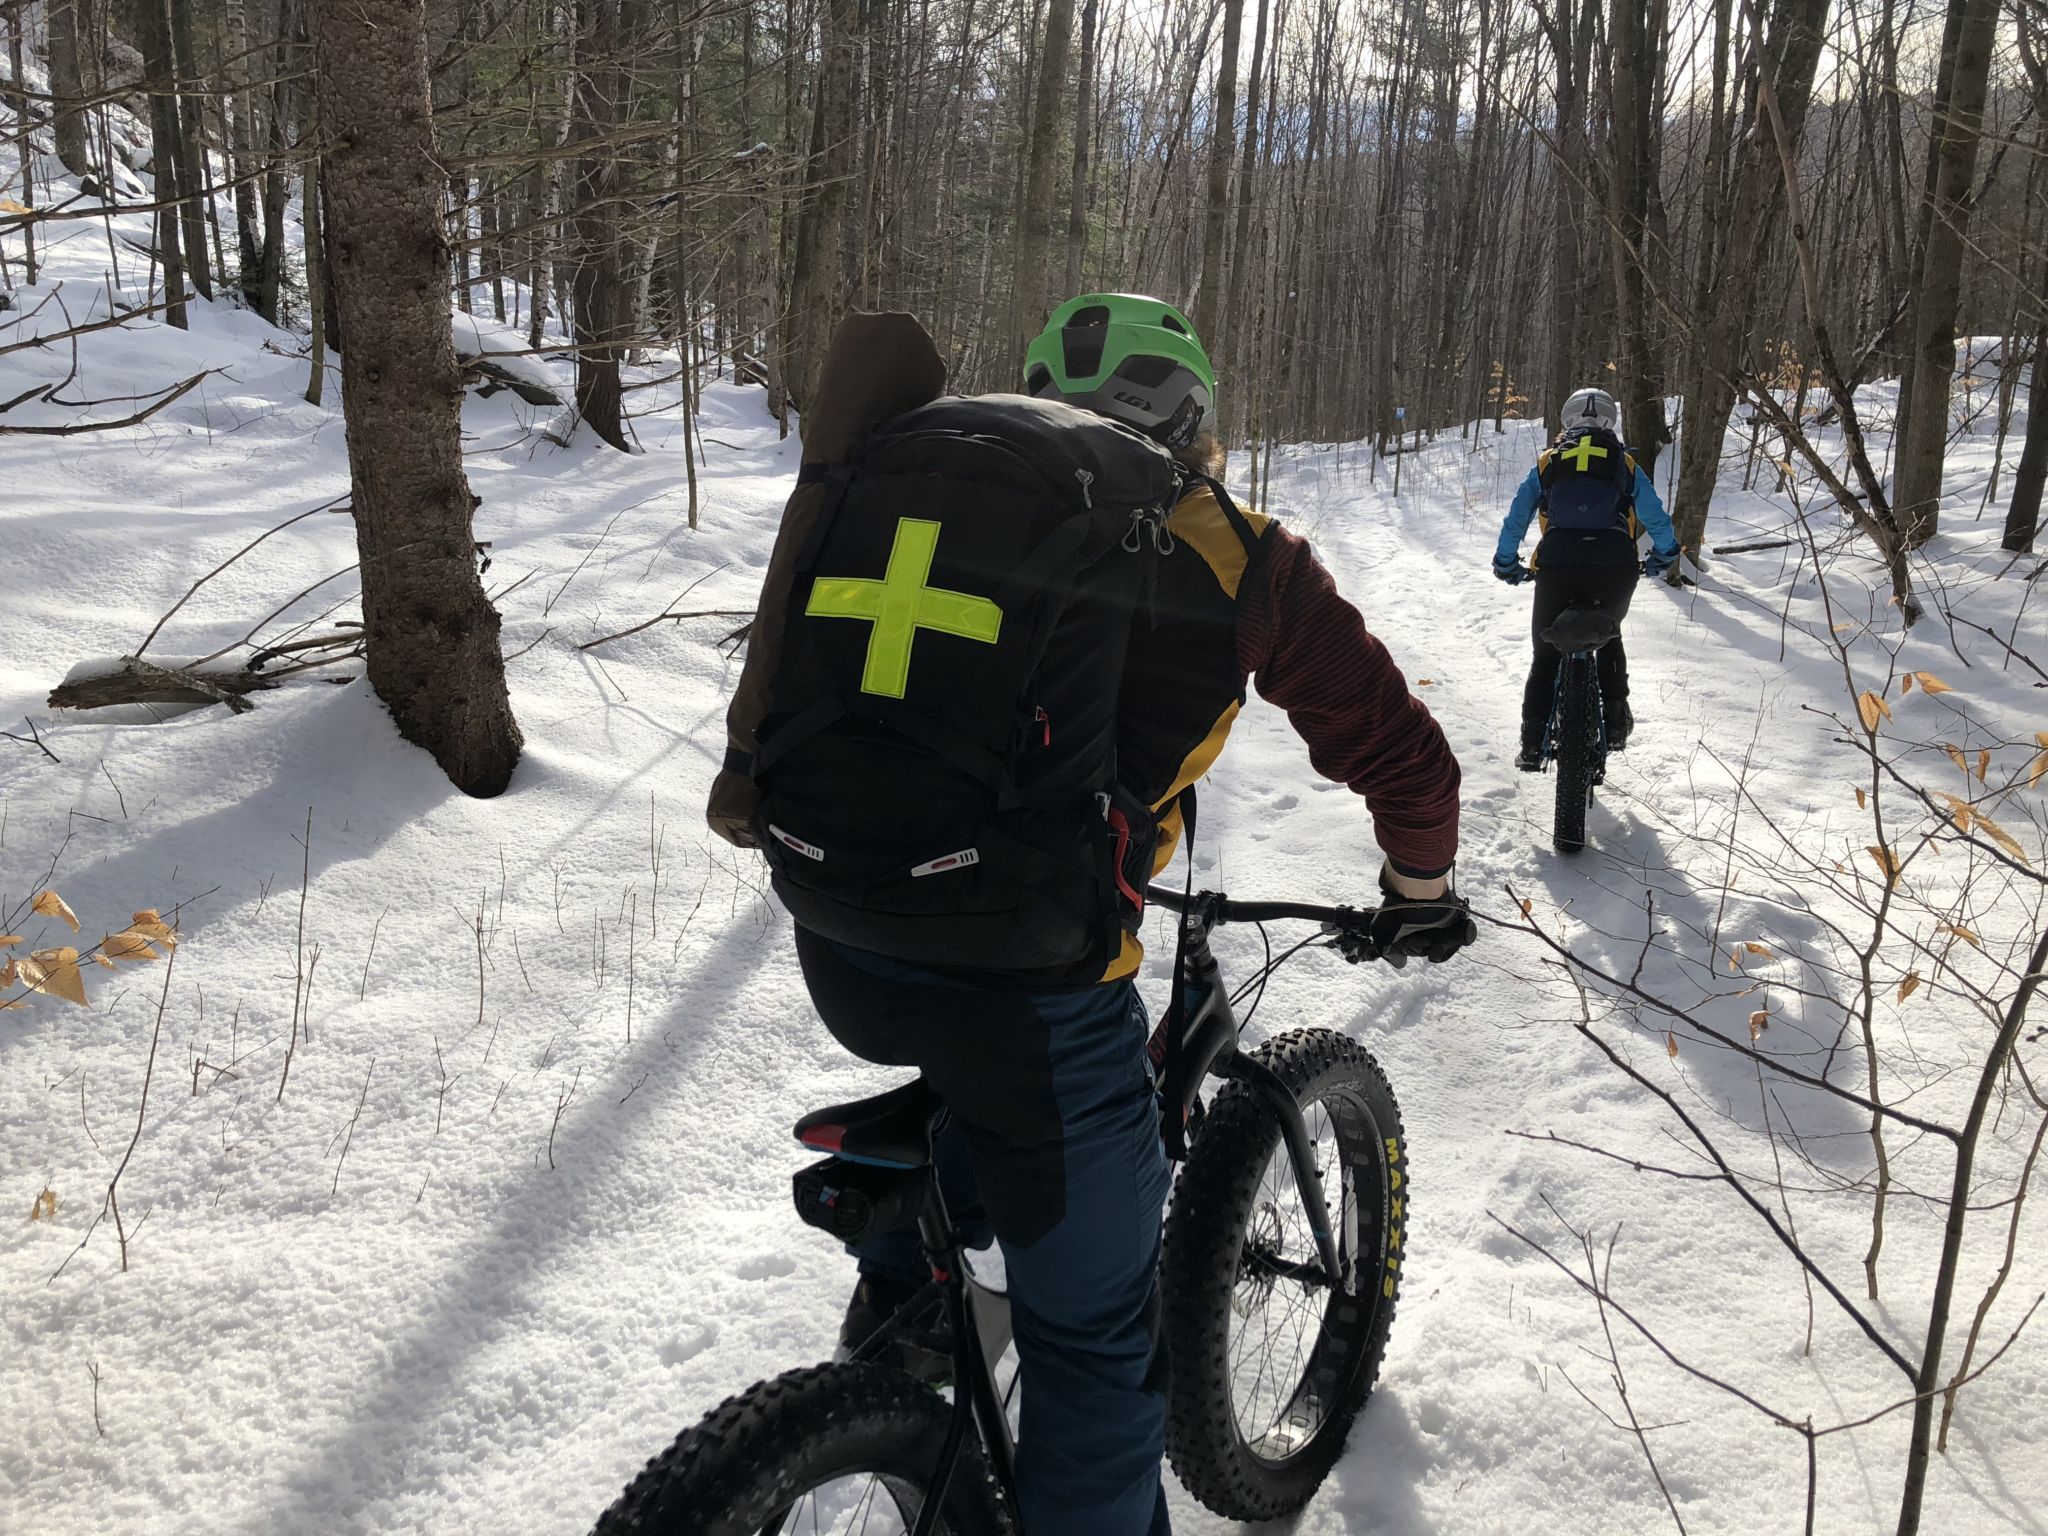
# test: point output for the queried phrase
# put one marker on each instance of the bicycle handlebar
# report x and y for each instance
(1223, 910)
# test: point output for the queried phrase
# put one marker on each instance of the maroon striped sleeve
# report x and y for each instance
(1309, 652)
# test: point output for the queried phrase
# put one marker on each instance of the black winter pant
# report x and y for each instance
(1613, 584)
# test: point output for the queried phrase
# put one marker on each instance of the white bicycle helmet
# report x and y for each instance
(1592, 408)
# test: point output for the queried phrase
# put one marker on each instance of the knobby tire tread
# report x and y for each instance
(1578, 729)
(1212, 1203)
(761, 1448)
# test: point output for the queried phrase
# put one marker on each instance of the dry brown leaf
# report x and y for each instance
(1759, 1022)
(7, 974)
(1670, 1045)
(150, 925)
(1758, 949)
(59, 974)
(1872, 709)
(1905, 685)
(50, 904)
(1528, 906)
(1962, 933)
(45, 1208)
(1983, 764)
(1955, 755)
(2035, 773)
(7, 940)
(1959, 811)
(1929, 683)
(1909, 986)
(100, 959)
(2003, 838)
(129, 946)
(1862, 800)
(1885, 861)
(1425, 682)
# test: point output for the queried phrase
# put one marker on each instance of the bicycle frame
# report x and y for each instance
(1203, 1045)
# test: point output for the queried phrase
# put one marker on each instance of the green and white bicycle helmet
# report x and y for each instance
(1129, 357)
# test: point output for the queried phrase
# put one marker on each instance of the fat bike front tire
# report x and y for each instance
(1271, 1368)
(1578, 750)
(832, 1448)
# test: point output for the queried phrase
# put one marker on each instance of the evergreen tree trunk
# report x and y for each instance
(1924, 423)
(431, 636)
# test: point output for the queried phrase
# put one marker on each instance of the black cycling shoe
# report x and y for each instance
(921, 1346)
(1620, 722)
(1530, 760)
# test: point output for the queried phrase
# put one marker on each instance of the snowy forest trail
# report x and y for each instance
(519, 1213)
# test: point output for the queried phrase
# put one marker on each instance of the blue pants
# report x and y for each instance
(1055, 1132)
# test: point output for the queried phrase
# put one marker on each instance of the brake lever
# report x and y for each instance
(1356, 946)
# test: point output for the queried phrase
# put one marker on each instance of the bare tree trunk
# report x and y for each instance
(1222, 147)
(817, 297)
(67, 84)
(191, 143)
(1790, 50)
(603, 293)
(2023, 513)
(1636, 47)
(1034, 221)
(431, 635)
(153, 38)
(242, 143)
(316, 298)
(1923, 427)
(1084, 105)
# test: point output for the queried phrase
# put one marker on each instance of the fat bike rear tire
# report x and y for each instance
(1578, 750)
(811, 1445)
(1252, 1427)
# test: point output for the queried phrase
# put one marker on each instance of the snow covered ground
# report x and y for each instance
(520, 1212)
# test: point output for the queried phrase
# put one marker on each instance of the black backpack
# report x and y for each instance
(1589, 483)
(938, 769)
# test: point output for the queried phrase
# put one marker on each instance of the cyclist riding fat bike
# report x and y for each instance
(1595, 503)
(1053, 1141)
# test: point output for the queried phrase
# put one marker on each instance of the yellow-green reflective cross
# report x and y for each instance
(900, 604)
(1583, 452)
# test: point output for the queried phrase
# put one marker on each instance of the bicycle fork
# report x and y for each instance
(1211, 1046)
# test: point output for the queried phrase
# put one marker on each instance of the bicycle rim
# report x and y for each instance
(1293, 1343)
(861, 1504)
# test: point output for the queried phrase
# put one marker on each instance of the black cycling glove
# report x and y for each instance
(1435, 929)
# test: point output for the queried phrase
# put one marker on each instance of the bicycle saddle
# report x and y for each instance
(1581, 627)
(890, 1130)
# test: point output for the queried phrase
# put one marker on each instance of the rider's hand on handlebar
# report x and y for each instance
(1513, 572)
(1434, 926)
